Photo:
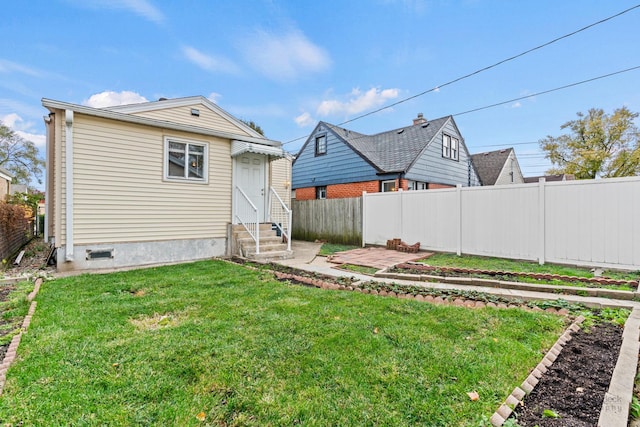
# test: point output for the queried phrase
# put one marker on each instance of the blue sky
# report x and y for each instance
(288, 64)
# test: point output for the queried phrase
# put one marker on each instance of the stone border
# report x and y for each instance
(437, 300)
(615, 407)
(504, 411)
(11, 354)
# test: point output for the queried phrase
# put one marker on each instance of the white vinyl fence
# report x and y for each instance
(584, 222)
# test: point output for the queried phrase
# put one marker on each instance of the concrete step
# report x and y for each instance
(270, 256)
(245, 234)
(263, 227)
(270, 240)
(272, 247)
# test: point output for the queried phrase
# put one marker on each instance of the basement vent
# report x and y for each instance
(99, 254)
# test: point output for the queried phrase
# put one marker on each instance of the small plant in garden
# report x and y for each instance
(634, 410)
(550, 413)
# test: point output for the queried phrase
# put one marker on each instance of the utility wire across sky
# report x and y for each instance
(436, 88)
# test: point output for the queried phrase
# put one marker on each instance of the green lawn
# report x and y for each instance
(212, 343)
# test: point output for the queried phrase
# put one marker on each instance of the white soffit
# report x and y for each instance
(241, 147)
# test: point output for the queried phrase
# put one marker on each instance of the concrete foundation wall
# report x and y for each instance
(141, 253)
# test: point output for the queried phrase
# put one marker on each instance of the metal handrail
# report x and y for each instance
(248, 215)
(280, 215)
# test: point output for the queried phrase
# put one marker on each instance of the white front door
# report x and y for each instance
(250, 170)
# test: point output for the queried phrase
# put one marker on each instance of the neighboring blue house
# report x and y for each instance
(335, 162)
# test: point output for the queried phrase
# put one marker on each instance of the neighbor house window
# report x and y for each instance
(450, 147)
(321, 192)
(388, 186)
(321, 145)
(185, 160)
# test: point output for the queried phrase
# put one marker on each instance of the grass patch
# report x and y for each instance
(13, 307)
(213, 343)
(359, 269)
(332, 248)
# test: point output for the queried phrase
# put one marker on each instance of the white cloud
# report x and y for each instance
(286, 56)
(10, 67)
(516, 105)
(22, 128)
(142, 8)
(304, 120)
(209, 62)
(357, 102)
(109, 98)
(214, 97)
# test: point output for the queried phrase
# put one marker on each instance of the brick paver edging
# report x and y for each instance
(516, 396)
(10, 356)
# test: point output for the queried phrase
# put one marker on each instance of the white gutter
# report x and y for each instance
(68, 121)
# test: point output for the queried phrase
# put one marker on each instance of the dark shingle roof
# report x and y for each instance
(394, 150)
(550, 178)
(488, 165)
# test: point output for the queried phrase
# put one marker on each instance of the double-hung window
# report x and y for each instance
(321, 145)
(185, 160)
(450, 147)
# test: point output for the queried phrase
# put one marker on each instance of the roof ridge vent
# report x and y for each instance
(400, 131)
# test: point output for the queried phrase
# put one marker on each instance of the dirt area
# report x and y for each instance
(34, 261)
(575, 385)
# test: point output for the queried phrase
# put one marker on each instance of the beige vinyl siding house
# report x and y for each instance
(151, 187)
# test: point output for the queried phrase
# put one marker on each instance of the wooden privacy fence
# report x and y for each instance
(584, 222)
(333, 220)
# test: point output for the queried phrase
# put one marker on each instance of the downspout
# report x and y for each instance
(47, 166)
(68, 120)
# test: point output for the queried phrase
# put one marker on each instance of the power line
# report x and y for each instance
(547, 91)
(525, 97)
(479, 71)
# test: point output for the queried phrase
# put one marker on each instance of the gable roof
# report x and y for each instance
(163, 104)
(490, 164)
(395, 150)
(121, 113)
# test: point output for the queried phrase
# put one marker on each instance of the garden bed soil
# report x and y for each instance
(574, 386)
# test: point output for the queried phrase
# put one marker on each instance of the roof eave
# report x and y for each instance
(51, 105)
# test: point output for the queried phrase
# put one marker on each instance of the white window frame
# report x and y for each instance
(186, 142)
(450, 147)
(320, 137)
(446, 146)
(390, 181)
(321, 191)
(455, 148)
